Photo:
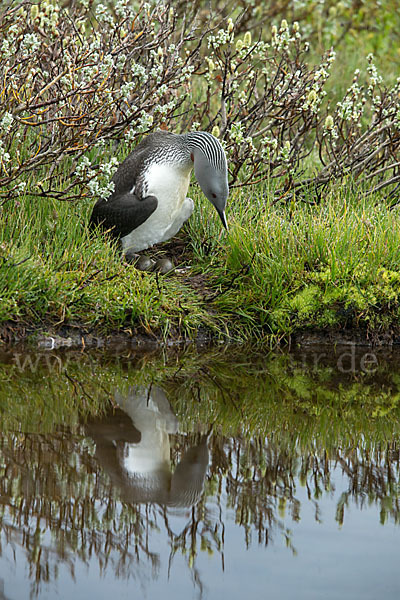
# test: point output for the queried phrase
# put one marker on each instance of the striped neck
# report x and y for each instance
(209, 146)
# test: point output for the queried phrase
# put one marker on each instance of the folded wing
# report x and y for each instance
(122, 214)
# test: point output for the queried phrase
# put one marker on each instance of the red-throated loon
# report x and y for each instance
(149, 203)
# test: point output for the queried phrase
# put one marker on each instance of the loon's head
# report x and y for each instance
(211, 170)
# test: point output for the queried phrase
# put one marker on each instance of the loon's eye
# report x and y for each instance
(214, 195)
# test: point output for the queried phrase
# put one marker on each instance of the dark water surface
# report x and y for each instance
(219, 474)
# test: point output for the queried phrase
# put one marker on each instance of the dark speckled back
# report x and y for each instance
(158, 146)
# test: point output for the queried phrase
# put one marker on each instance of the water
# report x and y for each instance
(219, 474)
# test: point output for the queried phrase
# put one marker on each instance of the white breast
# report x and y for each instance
(169, 183)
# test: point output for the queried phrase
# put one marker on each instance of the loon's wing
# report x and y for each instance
(123, 213)
(126, 209)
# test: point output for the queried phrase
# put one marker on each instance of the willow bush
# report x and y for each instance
(77, 81)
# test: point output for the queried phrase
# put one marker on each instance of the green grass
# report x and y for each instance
(53, 271)
(280, 268)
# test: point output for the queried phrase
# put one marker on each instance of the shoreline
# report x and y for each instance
(79, 336)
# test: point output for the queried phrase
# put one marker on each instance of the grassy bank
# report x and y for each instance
(278, 270)
(290, 113)
(306, 266)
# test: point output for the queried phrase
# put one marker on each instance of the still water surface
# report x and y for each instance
(218, 474)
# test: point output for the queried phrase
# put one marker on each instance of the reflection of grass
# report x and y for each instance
(241, 395)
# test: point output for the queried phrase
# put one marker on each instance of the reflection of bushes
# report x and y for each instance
(276, 426)
(54, 484)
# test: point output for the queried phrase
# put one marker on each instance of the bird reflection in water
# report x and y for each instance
(2, 594)
(133, 448)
